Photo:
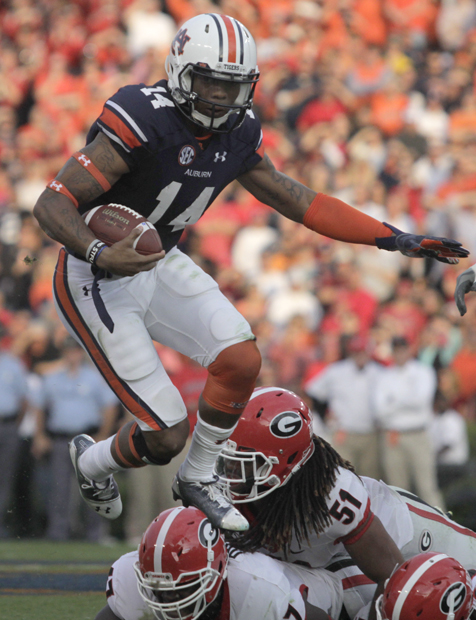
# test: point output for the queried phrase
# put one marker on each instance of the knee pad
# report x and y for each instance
(232, 377)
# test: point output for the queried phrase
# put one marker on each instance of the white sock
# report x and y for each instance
(97, 463)
(207, 442)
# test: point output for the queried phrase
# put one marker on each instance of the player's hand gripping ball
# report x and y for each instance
(111, 223)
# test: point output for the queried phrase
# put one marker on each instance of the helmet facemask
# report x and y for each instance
(183, 599)
(188, 98)
(246, 476)
(182, 564)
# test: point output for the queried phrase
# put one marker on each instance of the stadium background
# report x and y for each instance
(372, 101)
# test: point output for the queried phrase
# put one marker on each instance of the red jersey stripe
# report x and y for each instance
(356, 580)
(359, 530)
(124, 461)
(440, 519)
(119, 127)
(232, 47)
(132, 448)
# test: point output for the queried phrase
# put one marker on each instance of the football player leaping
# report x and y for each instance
(167, 151)
(183, 571)
(305, 503)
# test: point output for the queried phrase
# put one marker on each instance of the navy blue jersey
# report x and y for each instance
(172, 181)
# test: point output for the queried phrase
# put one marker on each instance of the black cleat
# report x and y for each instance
(103, 497)
(207, 496)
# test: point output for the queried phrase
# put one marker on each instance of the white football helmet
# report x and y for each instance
(219, 47)
(182, 564)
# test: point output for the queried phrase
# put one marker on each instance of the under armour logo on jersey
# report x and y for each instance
(56, 186)
(84, 160)
(186, 155)
(181, 39)
(220, 157)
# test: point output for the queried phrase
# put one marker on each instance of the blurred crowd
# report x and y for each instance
(370, 101)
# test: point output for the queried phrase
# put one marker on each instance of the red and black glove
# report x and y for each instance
(422, 246)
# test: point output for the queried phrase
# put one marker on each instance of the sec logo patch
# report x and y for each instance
(186, 155)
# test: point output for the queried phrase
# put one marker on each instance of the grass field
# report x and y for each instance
(40, 580)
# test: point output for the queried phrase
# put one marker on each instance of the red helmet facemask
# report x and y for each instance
(272, 440)
(430, 586)
(182, 564)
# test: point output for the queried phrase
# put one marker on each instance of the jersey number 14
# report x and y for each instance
(191, 215)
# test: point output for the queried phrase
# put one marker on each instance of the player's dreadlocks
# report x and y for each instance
(298, 507)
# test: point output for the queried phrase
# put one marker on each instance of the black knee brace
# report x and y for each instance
(143, 451)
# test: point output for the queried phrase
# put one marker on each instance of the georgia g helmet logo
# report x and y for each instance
(453, 597)
(286, 424)
(207, 534)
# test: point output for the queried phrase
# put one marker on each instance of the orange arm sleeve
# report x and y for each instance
(335, 219)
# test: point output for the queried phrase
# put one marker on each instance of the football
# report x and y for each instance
(112, 222)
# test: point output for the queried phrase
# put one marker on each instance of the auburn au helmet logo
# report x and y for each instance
(180, 40)
(286, 424)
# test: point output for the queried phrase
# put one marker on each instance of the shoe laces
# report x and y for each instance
(215, 493)
(103, 490)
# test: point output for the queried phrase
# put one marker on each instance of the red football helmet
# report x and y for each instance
(430, 586)
(272, 440)
(182, 564)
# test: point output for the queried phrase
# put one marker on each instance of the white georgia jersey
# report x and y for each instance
(257, 588)
(352, 503)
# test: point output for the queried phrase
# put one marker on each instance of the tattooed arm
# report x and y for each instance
(334, 218)
(276, 189)
(59, 218)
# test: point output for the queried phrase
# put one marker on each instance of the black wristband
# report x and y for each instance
(94, 250)
(388, 243)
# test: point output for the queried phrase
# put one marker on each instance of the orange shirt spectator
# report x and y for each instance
(459, 183)
(368, 22)
(369, 73)
(413, 15)
(388, 107)
(464, 367)
(463, 120)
